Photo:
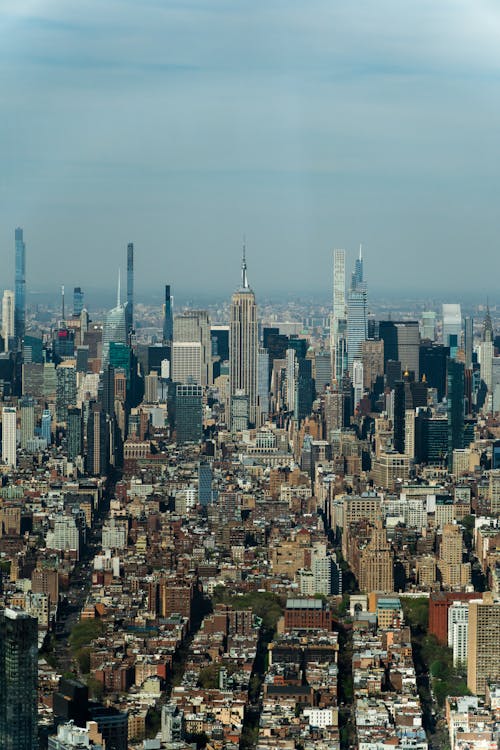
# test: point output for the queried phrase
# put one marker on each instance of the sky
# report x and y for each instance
(303, 126)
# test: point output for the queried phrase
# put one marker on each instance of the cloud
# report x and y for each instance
(306, 125)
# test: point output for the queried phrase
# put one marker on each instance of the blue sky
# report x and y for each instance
(305, 125)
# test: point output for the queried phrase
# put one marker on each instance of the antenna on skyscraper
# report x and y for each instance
(118, 293)
(244, 280)
(62, 302)
(360, 251)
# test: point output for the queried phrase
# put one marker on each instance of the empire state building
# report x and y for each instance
(243, 344)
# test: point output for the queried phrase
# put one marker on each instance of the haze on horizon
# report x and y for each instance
(308, 126)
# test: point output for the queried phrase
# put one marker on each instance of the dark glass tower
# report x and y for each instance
(189, 413)
(18, 680)
(129, 310)
(168, 321)
(455, 402)
(77, 301)
(20, 289)
(74, 433)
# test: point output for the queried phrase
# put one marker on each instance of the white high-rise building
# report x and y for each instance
(356, 314)
(243, 343)
(193, 327)
(9, 436)
(452, 323)
(7, 317)
(290, 378)
(357, 381)
(428, 325)
(338, 347)
(187, 362)
(263, 384)
(458, 619)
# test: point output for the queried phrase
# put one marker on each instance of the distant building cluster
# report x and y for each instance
(245, 526)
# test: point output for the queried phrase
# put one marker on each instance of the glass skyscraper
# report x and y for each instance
(168, 321)
(115, 330)
(455, 403)
(129, 310)
(18, 680)
(20, 288)
(77, 300)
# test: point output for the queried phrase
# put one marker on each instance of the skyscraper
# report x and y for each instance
(356, 325)
(9, 429)
(468, 341)
(74, 435)
(455, 406)
(115, 328)
(20, 287)
(483, 645)
(338, 320)
(452, 324)
(7, 317)
(66, 391)
(356, 314)
(18, 680)
(168, 322)
(193, 327)
(129, 310)
(27, 405)
(77, 301)
(188, 413)
(243, 343)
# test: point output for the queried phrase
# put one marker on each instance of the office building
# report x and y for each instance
(452, 325)
(428, 326)
(46, 426)
(74, 433)
(20, 289)
(33, 349)
(204, 483)
(193, 327)
(262, 385)
(220, 342)
(187, 362)
(243, 343)
(27, 421)
(322, 370)
(188, 413)
(483, 644)
(168, 321)
(77, 301)
(468, 341)
(129, 309)
(65, 391)
(401, 344)
(376, 569)
(97, 440)
(112, 724)
(9, 436)
(432, 366)
(115, 329)
(356, 314)
(18, 680)
(338, 321)
(455, 408)
(7, 318)
(372, 357)
(239, 412)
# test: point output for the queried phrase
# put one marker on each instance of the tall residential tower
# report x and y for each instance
(20, 289)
